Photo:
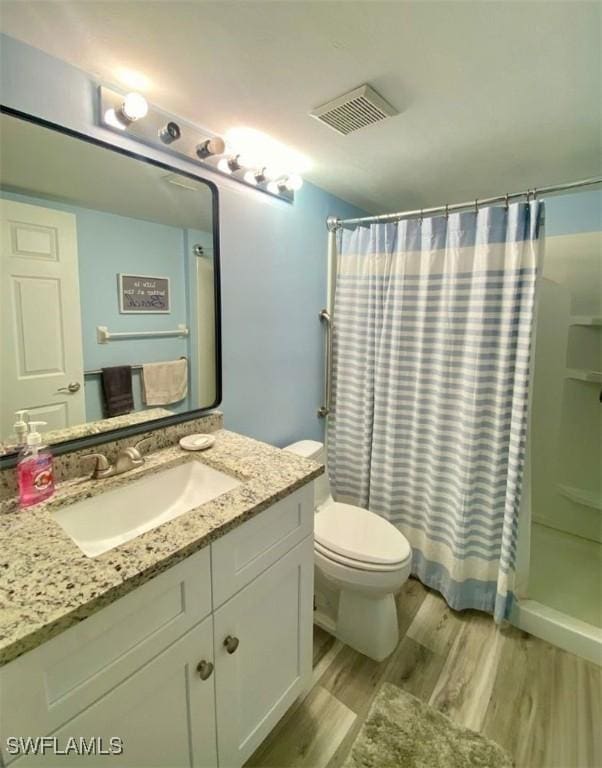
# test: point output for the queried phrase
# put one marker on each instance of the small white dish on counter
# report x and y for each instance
(197, 442)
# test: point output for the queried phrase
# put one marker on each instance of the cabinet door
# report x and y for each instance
(164, 714)
(258, 680)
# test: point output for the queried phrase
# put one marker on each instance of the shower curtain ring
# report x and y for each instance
(420, 216)
(507, 204)
(447, 210)
(476, 205)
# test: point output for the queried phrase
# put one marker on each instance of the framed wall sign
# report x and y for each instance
(143, 294)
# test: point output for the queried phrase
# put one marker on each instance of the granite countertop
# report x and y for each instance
(47, 584)
(95, 427)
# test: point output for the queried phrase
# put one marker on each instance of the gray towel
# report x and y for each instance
(117, 390)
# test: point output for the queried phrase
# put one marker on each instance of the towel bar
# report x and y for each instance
(103, 334)
(137, 367)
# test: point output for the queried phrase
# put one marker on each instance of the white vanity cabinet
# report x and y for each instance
(194, 668)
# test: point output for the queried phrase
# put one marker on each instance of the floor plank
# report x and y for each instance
(519, 715)
(464, 687)
(308, 737)
(415, 668)
(435, 625)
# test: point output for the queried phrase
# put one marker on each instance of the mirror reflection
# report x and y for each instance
(107, 287)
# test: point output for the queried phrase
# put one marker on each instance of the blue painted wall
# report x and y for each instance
(107, 245)
(273, 259)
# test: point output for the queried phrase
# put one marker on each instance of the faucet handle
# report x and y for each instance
(139, 443)
(134, 454)
(102, 463)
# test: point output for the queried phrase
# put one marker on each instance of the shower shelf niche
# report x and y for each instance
(581, 374)
(581, 496)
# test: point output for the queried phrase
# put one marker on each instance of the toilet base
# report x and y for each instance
(367, 624)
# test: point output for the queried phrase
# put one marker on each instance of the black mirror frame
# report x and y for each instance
(10, 459)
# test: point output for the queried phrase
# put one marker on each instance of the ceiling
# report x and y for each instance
(493, 96)
(45, 163)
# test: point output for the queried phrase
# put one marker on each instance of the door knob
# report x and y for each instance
(205, 669)
(231, 643)
(72, 387)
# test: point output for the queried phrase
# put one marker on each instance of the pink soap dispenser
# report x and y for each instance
(34, 469)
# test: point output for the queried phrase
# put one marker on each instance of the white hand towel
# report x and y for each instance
(164, 383)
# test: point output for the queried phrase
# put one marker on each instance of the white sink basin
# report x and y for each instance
(112, 518)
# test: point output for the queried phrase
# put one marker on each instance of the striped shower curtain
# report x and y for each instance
(432, 330)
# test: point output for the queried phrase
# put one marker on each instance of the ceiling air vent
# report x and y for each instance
(360, 107)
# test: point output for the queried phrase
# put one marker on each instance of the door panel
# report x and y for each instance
(40, 320)
(272, 620)
(38, 341)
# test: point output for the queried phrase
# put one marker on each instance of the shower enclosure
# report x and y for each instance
(558, 589)
(562, 582)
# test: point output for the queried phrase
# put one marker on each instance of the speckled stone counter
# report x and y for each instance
(47, 584)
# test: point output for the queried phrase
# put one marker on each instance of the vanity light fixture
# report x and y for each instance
(210, 147)
(170, 132)
(247, 156)
(229, 164)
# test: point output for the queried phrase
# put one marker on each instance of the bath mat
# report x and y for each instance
(403, 732)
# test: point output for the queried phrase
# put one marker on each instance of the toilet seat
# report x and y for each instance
(360, 539)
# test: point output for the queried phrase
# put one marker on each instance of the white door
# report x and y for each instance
(259, 677)
(40, 323)
(164, 714)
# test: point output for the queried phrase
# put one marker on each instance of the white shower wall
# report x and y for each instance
(566, 425)
(563, 597)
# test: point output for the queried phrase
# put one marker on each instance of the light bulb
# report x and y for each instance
(229, 164)
(134, 107)
(273, 187)
(224, 165)
(271, 172)
(209, 147)
(251, 177)
(293, 182)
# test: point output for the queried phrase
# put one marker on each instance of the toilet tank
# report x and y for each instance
(312, 449)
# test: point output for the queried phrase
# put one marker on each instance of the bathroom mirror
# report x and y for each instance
(109, 266)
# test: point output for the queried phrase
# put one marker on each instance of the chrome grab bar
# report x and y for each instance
(324, 410)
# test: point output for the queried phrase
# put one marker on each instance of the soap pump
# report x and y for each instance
(20, 427)
(34, 469)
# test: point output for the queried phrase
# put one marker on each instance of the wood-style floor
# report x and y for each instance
(540, 703)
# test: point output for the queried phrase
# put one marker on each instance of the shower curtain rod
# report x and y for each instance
(333, 223)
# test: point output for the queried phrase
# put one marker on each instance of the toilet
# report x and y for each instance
(361, 562)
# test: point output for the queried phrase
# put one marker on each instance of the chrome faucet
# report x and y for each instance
(127, 458)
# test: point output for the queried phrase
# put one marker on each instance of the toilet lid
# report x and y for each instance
(358, 565)
(359, 534)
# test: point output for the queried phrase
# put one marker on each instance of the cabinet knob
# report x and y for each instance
(205, 669)
(231, 643)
